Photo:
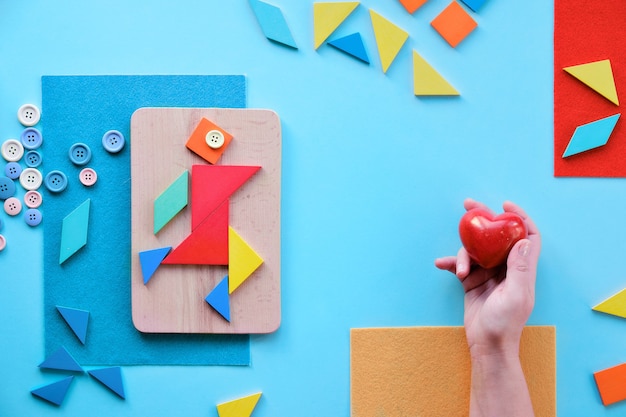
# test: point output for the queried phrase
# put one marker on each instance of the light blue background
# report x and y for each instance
(373, 183)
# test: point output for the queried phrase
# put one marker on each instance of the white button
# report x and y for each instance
(12, 150)
(31, 179)
(215, 139)
(28, 115)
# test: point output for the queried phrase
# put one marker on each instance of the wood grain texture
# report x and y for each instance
(174, 299)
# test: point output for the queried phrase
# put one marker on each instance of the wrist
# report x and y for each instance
(500, 352)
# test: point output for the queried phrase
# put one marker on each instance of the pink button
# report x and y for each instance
(12, 206)
(88, 177)
(32, 199)
(3, 243)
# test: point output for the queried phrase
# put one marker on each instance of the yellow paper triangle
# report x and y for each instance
(327, 17)
(598, 76)
(241, 407)
(427, 81)
(242, 260)
(389, 39)
(615, 305)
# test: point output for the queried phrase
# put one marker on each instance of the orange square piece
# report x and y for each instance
(412, 5)
(454, 24)
(197, 142)
(611, 384)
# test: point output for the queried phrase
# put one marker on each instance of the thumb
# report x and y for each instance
(521, 267)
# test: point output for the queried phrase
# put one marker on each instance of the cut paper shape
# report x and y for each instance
(614, 305)
(61, 360)
(242, 260)
(74, 231)
(454, 24)
(598, 76)
(412, 5)
(611, 384)
(54, 393)
(242, 407)
(327, 17)
(171, 201)
(219, 300)
(475, 5)
(273, 23)
(389, 39)
(352, 45)
(427, 81)
(197, 142)
(591, 135)
(207, 244)
(150, 261)
(426, 371)
(110, 378)
(77, 320)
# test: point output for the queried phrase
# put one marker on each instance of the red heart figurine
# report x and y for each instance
(488, 238)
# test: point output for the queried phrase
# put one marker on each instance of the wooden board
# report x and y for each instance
(174, 299)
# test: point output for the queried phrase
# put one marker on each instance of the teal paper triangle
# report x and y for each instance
(150, 261)
(591, 135)
(218, 299)
(352, 45)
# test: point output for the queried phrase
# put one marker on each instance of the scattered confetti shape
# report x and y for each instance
(412, 5)
(242, 407)
(352, 45)
(242, 260)
(150, 261)
(77, 320)
(55, 392)
(61, 360)
(611, 384)
(598, 76)
(219, 300)
(614, 305)
(327, 17)
(389, 39)
(427, 81)
(273, 23)
(591, 135)
(171, 201)
(197, 142)
(74, 231)
(110, 378)
(454, 24)
(475, 5)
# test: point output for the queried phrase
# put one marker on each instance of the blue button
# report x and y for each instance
(31, 138)
(32, 159)
(7, 188)
(80, 154)
(13, 170)
(56, 181)
(32, 217)
(113, 141)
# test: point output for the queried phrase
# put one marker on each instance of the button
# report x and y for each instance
(88, 177)
(32, 159)
(31, 179)
(215, 139)
(32, 217)
(13, 170)
(56, 181)
(12, 150)
(113, 141)
(12, 206)
(80, 154)
(31, 138)
(28, 115)
(3, 243)
(7, 188)
(33, 199)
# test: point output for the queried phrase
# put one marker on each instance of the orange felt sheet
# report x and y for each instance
(425, 371)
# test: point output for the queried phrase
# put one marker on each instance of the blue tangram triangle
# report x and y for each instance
(77, 320)
(110, 378)
(591, 135)
(55, 392)
(150, 261)
(218, 299)
(273, 23)
(61, 359)
(474, 4)
(352, 45)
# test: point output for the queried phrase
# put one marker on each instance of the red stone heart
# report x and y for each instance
(488, 238)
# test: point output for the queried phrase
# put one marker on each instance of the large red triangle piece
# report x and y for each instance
(211, 185)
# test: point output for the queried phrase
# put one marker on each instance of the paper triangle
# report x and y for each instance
(110, 378)
(327, 17)
(591, 135)
(55, 392)
(427, 81)
(242, 260)
(598, 76)
(614, 305)
(219, 300)
(171, 201)
(389, 39)
(475, 5)
(242, 407)
(61, 360)
(150, 261)
(352, 45)
(273, 23)
(77, 320)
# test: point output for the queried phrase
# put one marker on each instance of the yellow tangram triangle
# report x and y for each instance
(242, 260)
(427, 81)
(597, 75)
(614, 305)
(241, 407)
(327, 17)
(389, 39)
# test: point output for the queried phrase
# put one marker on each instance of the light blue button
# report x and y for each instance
(32, 217)
(32, 159)
(113, 141)
(56, 181)
(7, 188)
(80, 154)
(13, 170)
(31, 138)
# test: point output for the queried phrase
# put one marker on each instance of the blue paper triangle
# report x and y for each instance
(150, 261)
(352, 45)
(218, 299)
(272, 23)
(77, 320)
(62, 360)
(55, 392)
(110, 378)
(591, 135)
(474, 4)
